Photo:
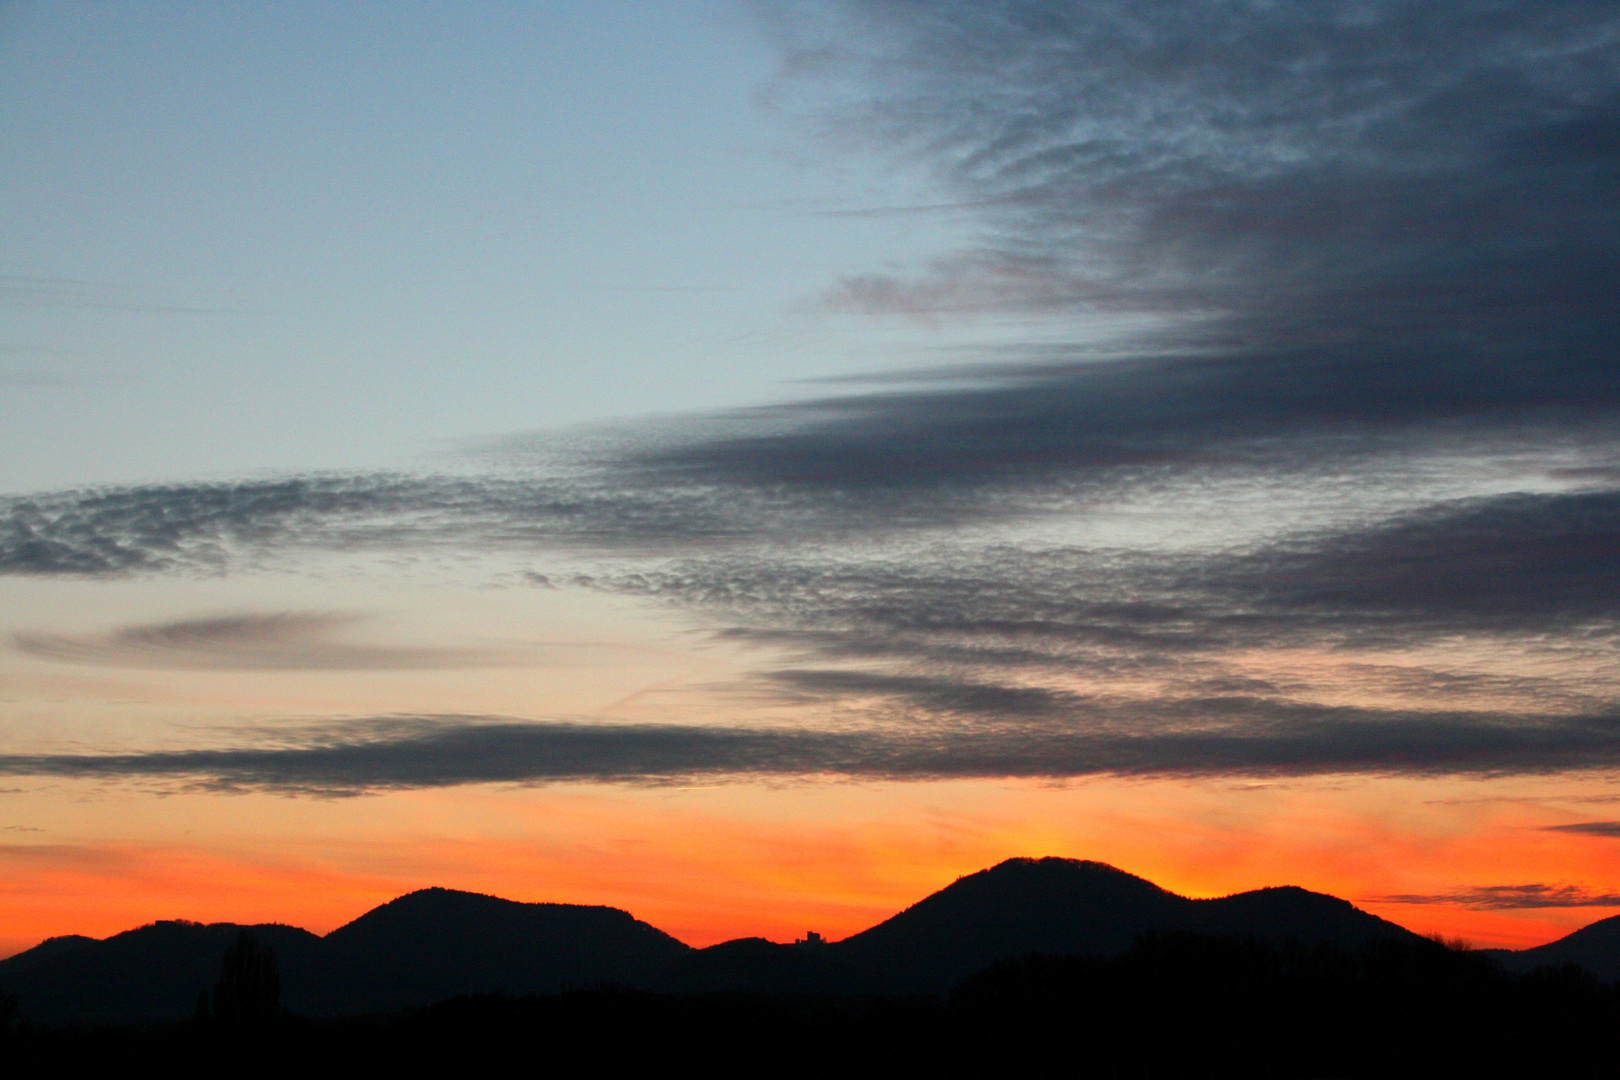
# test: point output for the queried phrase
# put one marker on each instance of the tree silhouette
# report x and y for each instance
(248, 993)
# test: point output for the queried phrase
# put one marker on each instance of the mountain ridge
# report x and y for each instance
(433, 944)
(1067, 906)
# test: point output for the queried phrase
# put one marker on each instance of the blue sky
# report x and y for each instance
(246, 237)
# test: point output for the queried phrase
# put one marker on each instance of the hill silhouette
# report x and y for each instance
(1287, 912)
(48, 950)
(435, 944)
(1068, 907)
(149, 974)
(757, 966)
(423, 947)
(1595, 947)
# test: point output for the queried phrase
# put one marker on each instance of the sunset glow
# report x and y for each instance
(753, 464)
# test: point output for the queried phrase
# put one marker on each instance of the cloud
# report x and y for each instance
(1589, 828)
(1598, 475)
(65, 856)
(285, 641)
(1513, 564)
(1368, 253)
(1004, 635)
(1500, 606)
(1361, 232)
(180, 526)
(1511, 897)
(209, 527)
(1389, 221)
(1527, 561)
(1032, 431)
(191, 527)
(1242, 155)
(1215, 736)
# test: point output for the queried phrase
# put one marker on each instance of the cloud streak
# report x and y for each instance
(1382, 220)
(1512, 897)
(1214, 736)
(1589, 828)
(284, 641)
(1510, 565)
(191, 527)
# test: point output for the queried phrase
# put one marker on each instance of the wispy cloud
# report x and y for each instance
(1512, 564)
(283, 641)
(1589, 828)
(185, 527)
(1072, 660)
(1216, 736)
(1512, 897)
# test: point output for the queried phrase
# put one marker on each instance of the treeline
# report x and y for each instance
(1175, 1005)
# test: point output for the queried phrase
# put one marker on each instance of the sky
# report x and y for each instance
(753, 463)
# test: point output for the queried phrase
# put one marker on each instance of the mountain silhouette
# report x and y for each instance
(47, 951)
(1288, 912)
(1065, 906)
(1595, 947)
(435, 944)
(1020, 906)
(149, 974)
(757, 966)
(423, 947)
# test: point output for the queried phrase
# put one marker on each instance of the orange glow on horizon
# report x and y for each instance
(711, 864)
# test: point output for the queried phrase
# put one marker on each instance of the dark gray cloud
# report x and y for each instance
(207, 526)
(182, 526)
(1373, 161)
(935, 695)
(1373, 221)
(1511, 897)
(1106, 425)
(1519, 561)
(986, 643)
(1194, 737)
(1513, 564)
(1026, 635)
(600, 505)
(282, 641)
(1589, 828)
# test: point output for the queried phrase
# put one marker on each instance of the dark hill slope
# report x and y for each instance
(416, 950)
(1596, 948)
(47, 951)
(1278, 914)
(1019, 906)
(754, 965)
(153, 973)
(436, 943)
(1063, 906)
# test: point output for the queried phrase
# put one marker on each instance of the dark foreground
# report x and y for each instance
(1175, 1005)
